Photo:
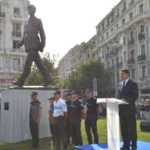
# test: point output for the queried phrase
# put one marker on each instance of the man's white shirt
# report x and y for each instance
(122, 83)
(59, 108)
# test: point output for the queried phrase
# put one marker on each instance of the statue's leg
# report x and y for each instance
(27, 69)
(42, 68)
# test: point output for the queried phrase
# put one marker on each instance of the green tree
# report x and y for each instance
(36, 78)
(83, 77)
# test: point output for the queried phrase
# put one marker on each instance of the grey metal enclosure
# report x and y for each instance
(14, 119)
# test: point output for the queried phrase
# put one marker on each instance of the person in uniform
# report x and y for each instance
(128, 92)
(51, 119)
(34, 41)
(77, 112)
(60, 117)
(34, 119)
(68, 125)
(91, 117)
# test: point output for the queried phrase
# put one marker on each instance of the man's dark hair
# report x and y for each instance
(125, 70)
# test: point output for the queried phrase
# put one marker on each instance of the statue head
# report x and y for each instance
(31, 10)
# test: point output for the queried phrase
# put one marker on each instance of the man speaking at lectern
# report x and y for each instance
(128, 92)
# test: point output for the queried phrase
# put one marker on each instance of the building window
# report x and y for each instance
(116, 26)
(118, 13)
(2, 14)
(143, 49)
(108, 21)
(112, 17)
(123, 21)
(143, 71)
(7, 63)
(124, 40)
(131, 16)
(131, 3)
(141, 8)
(103, 26)
(1, 62)
(125, 58)
(102, 38)
(16, 11)
(16, 64)
(15, 43)
(108, 64)
(6, 106)
(133, 74)
(131, 35)
(107, 34)
(16, 30)
(132, 54)
(103, 54)
(112, 29)
(113, 62)
(142, 29)
(124, 7)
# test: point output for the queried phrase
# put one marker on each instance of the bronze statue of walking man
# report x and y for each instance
(34, 41)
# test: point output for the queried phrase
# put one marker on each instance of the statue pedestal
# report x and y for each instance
(15, 104)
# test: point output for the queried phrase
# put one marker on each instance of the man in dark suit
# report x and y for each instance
(34, 41)
(128, 91)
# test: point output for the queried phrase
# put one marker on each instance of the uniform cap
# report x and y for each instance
(75, 92)
(57, 92)
(51, 98)
(34, 93)
(88, 91)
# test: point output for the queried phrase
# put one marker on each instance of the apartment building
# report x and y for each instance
(13, 16)
(122, 40)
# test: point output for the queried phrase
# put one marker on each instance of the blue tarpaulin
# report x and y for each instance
(141, 145)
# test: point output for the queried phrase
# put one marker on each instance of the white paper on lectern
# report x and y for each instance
(112, 121)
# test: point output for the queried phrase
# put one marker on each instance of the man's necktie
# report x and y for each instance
(124, 84)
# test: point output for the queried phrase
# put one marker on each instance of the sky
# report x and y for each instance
(70, 22)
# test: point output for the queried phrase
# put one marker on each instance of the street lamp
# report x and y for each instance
(95, 92)
(116, 45)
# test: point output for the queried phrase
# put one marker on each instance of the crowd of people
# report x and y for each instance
(65, 119)
(143, 107)
(65, 116)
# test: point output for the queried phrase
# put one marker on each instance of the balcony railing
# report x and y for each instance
(16, 34)
(141, 36)
(17, 15)
(141, 57)
(2, 14)
(131, 61)
(131, 42)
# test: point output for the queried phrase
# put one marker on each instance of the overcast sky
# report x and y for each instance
(70, 22)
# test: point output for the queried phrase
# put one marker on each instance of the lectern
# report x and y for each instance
(112, 121)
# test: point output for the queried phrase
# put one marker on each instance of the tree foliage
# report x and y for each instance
(36, 78)
(83, 77)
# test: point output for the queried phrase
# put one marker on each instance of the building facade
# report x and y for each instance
(13, 16)
(123, 40)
